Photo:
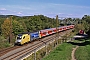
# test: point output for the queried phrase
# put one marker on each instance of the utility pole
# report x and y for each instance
(10, 37)
(57, 34)
(56, 22)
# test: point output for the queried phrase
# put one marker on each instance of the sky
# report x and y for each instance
(50, 8)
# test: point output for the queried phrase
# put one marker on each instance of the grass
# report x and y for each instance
(62, 52)
(83, 52)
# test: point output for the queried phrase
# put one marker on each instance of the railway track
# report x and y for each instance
(26, 50)
(18, 52)
(6, 50)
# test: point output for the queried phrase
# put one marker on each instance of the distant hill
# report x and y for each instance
(5, 16)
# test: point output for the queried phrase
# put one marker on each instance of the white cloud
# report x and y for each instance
(2, 9)
(21, 7)
(19, 13)
(61, 13)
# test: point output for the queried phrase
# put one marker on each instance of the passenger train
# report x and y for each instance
(29, 37)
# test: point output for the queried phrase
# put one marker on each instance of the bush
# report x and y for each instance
(6, 44)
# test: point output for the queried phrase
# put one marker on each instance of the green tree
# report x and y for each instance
(17, 27)
(6, 27)
(86, 20)
(1, 21)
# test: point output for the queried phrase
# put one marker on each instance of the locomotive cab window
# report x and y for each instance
(23, 37)
(19, 37)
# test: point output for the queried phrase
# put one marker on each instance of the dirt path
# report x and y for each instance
(73, 53)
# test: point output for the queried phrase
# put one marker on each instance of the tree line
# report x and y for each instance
(17, 24)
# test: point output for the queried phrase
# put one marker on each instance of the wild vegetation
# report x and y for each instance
(83, 52)
(62, 52)
(10, 24)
